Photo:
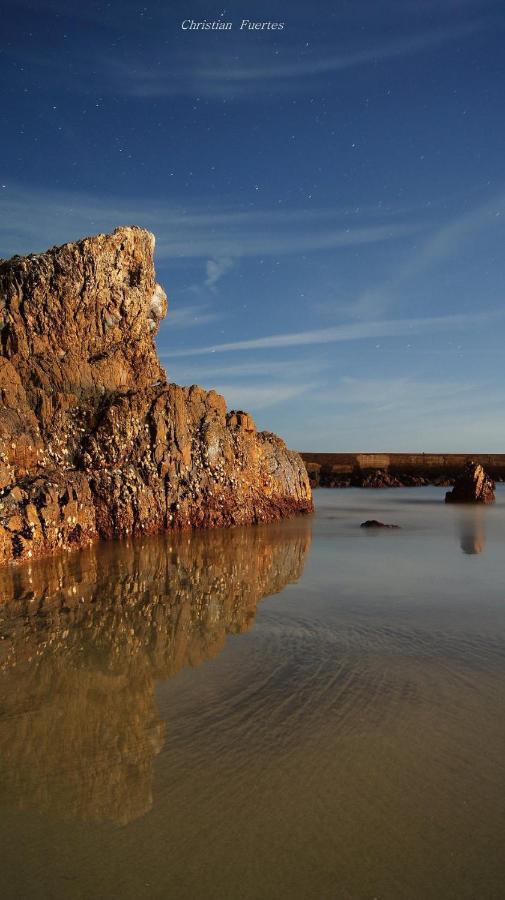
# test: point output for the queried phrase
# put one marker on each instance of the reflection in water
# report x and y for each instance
(472, 529)
(350, 745)
(84, 639)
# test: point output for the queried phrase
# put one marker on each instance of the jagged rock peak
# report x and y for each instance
(82, 316)
(93, 440)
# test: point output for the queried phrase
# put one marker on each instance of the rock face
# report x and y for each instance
(472, 486)
(94, 442)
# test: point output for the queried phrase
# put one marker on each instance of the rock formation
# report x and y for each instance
(472, 486)
(93, 440)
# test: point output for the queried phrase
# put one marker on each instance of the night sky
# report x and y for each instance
(328, 199)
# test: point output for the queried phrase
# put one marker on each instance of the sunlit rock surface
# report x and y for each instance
(94, 442)
(473, 486)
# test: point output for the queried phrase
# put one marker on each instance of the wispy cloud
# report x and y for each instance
(243, 71)
(307, 368)
(296, 237)
(256, 397)
(403, 413)
(401, 395)
(315, 65)
(254, 385)
(215, 269)
(217, 235)
(439, 244)
(222, 77)
(355, 331)
(192, 315)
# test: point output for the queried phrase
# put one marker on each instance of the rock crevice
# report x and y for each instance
(94, 441)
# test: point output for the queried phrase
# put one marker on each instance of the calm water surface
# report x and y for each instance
(306, 710)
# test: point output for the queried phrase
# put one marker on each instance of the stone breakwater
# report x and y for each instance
(395, 469)
(94, 441)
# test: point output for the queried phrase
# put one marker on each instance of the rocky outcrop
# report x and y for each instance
(472, 486)
(94, 442)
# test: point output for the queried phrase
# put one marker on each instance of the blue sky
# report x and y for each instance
(328, 200)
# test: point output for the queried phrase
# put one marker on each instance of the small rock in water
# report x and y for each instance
(374, 523)
(80, 381)
(473, 486)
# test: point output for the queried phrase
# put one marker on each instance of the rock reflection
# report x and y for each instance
(472, 535)
(84, 640)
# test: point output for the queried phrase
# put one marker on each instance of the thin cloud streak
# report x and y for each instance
(413, 413)
(267, 368)
(336, 63)
(190, 316)
(253, 385)
(215, 235)
(356, 331)
(440, 245)
(213, 80)
(234, 245)
(259, 396)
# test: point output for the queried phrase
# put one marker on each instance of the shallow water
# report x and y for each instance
(305, 710)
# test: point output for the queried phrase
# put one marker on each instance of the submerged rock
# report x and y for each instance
(94, 441)
(374, 523)
(473, 486)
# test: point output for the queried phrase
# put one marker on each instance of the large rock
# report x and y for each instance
(472, 486)
(94, 442)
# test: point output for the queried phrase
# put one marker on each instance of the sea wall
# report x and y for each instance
(354, 468)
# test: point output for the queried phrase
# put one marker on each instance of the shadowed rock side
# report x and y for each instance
(85, 637)
(93, 440)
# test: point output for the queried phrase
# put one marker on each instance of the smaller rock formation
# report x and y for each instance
(374, 523)
(379, 479)
(473, 486)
